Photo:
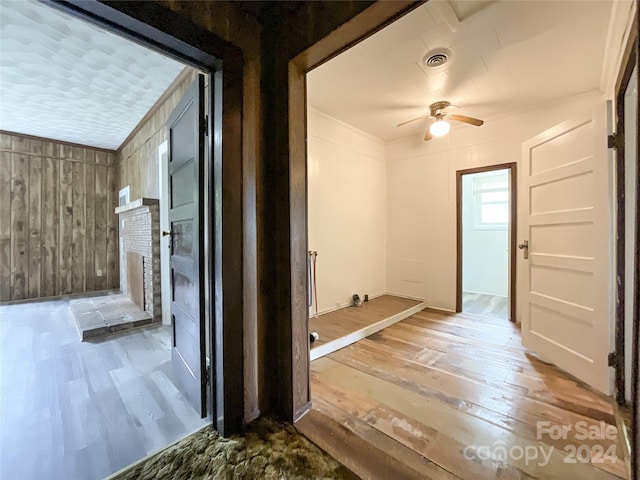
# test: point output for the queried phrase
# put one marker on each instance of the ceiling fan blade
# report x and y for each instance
(427, 135)
(413, 120)
(464, 119)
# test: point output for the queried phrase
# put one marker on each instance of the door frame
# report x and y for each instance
(513, 196)
(165, 275)
(296, 399)
(629, 60)
(155, 27)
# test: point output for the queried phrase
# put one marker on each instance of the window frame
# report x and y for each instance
(478, 203)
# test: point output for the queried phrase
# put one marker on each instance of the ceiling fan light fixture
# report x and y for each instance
(439, 128)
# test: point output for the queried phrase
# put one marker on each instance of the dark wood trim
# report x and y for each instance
(459, 241)
(372, 19)
(154, 26)
(629, 55)
(361, 27)
(635, 371)
(513, 231)
(61, 142)
(182, 76)
(622, 83)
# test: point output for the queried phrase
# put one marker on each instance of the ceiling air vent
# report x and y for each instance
(436, 58)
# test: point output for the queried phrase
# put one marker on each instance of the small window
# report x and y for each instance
(491, 201)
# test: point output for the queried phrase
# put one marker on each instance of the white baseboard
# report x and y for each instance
(348, 304)
(329, 347)
(440, 309)
(410, 297)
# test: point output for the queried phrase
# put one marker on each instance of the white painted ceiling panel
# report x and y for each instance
(65, 79)
(506, 56)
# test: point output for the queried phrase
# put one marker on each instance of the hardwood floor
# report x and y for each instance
(443, 395)
(487, 305)
(344, 321)
(71, 410)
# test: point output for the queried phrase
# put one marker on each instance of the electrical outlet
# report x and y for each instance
(99, 273)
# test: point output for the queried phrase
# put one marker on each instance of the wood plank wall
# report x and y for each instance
(137, 157)
(57, 226)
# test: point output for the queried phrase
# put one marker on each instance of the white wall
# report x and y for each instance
(485, 264)
(421, 225)
(347, 197)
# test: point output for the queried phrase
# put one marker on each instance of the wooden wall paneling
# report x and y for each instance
(54, 186)
(90, 191)
(19, 144)
(113, 270)
(65, 151)
(49, 149)
(5, 141)
(101, 158)
(35, 225)
(50, 223)
(5, 222)
(65, 252)
(35, 146)
(79, 203)
(78, 153)
(19, 225)
(100, 220)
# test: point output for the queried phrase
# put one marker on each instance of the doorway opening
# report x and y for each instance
(486, 215)
(119, 397)
(378, 385)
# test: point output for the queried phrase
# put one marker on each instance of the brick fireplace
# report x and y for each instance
(140, 234)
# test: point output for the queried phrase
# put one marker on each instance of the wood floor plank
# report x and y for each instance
(340, 323)
(487, 393)
(361, 448)
(62, 414)
(468, 430)
(527, 371)
(452, 377)
(485, 305)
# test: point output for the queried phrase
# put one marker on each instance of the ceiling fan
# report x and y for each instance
(439, 125)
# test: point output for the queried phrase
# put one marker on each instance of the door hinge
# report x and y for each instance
(612, 359)
(205, 126)
(612, 141)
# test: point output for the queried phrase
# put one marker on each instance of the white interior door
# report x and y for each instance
(567, 314)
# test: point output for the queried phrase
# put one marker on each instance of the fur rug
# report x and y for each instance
(268, 450)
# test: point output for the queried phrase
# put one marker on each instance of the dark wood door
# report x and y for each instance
(186, 194)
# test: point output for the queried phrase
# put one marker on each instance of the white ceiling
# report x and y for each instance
(65, 79)
(506, 56)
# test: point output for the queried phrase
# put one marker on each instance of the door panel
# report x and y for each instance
(567, 220)
(186, 180)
